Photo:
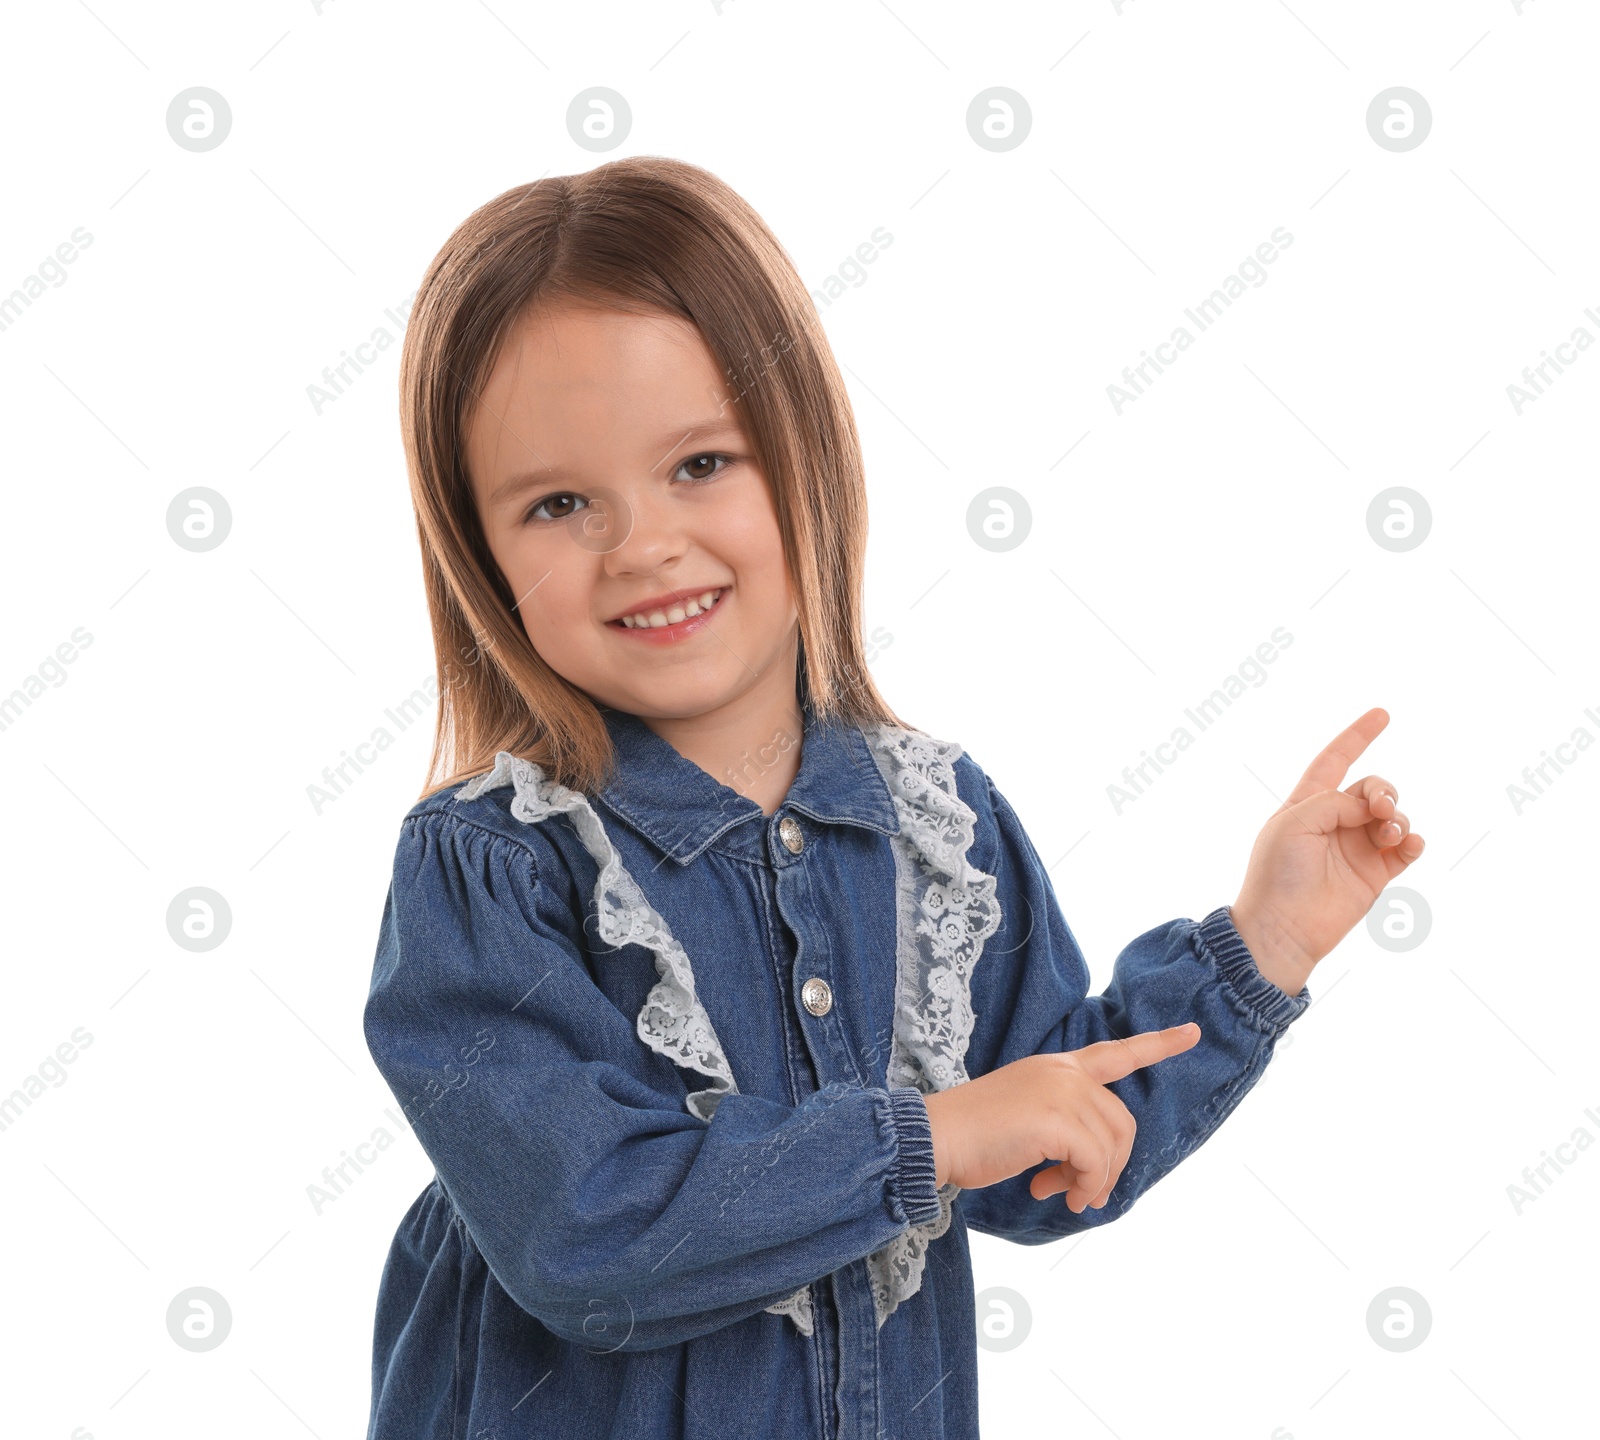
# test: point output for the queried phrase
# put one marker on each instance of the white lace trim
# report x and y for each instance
(672, 1021)
(798, 1308)
(946, 910)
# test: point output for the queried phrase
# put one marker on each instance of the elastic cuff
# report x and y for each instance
(1257, 996)
(913, 1195)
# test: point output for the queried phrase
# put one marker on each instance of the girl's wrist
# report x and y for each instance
(941, 1158)
(1277, 957)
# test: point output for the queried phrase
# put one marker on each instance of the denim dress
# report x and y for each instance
(668, 1054)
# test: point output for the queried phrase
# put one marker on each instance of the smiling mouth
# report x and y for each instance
(675, 614)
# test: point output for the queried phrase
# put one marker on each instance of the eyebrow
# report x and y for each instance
(523, 480)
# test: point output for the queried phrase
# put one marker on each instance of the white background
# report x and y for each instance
(1167, 142)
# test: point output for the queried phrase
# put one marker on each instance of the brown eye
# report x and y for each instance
(694, 462)
(565, 504)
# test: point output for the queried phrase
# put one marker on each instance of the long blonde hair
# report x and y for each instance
(643, 234)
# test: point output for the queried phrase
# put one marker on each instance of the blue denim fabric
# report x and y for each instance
(592, 1260)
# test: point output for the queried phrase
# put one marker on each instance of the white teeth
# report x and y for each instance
(655, 619)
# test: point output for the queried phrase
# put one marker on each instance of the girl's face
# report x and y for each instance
(618, 493)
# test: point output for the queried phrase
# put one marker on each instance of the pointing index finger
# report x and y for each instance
(1328, 770)
(1108, 1060)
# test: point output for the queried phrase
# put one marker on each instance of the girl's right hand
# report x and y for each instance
(1048, 1107)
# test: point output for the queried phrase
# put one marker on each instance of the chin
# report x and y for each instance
(683, 695)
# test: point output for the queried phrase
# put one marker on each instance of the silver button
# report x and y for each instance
(817, 996)
(793, 840)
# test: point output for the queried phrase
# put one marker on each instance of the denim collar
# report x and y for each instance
(682, 809)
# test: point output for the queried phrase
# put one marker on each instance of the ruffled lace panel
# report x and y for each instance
(672, 1021)
(947, 910)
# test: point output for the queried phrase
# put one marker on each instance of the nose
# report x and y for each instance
(642, 534)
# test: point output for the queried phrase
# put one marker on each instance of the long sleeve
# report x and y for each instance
(602, 1206)
(1030, 991)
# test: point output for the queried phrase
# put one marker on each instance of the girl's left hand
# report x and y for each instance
(1322, 859)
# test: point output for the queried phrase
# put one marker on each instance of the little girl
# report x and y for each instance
(724, 1001)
